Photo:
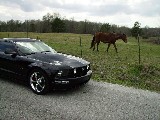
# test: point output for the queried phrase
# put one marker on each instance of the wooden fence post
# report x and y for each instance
(139, 55)
(27, 28)
(81, 45)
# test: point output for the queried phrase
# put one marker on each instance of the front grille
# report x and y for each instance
(78, 72)
(72, 73)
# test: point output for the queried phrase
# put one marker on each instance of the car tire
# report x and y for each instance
(39, 82)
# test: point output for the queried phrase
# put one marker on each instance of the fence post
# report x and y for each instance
(139, 55)
(27, 28)
(80, 45)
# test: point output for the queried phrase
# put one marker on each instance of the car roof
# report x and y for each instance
(19, 39)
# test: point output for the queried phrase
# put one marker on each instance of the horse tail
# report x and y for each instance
(92, 43)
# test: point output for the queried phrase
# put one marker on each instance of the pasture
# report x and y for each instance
(118, 68)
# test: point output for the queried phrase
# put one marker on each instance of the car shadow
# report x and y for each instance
(58, 90)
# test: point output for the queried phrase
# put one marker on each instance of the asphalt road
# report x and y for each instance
(93, 101)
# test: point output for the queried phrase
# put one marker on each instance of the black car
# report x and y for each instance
(41, 65)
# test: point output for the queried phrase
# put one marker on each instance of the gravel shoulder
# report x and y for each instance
(93, 101)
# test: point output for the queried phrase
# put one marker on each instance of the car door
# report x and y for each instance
(2, 49)
(7, 61)
(15, 64)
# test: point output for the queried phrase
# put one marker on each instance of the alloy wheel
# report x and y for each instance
(37, 82)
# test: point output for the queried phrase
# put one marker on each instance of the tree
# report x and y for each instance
(105, 27)
(136, 29)
(145, 32)
(32, 27)
(58, 25)
(47, 19)
(3, 26)
(39, 26)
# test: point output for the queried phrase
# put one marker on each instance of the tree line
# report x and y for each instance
(57, 24)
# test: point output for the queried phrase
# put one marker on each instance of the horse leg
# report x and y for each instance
(94, 46)
(115, 47)
(108, 46)
(97, 45)
(92, 43)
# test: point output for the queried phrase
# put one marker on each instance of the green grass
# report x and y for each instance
(119, 68)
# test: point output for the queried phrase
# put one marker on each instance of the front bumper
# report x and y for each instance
(74, 81)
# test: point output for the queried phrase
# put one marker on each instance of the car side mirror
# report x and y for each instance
(11, 52)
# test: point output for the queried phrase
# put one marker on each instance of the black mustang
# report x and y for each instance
(41, 65)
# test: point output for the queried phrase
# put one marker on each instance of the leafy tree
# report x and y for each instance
(58, 25)
(71, 25)
(47, 19)
(105, 27)
(145, 32)
(3, 26)
(39, 26)
(136, 29)
(55, 23)
(11, 25)
(32, 27)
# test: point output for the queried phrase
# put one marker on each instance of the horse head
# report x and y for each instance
(122, 36)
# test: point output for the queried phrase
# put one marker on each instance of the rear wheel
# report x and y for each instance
(39, 82)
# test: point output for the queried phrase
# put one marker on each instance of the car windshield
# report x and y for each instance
(30, 47)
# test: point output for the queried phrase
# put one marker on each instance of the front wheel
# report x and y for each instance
(39, 82)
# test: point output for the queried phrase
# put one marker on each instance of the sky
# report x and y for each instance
(118, 12)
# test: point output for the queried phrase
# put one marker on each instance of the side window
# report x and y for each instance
(6, 45)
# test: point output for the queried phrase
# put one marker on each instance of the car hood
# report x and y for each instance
(59, 59)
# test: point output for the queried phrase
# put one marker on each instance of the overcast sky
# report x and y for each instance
(119, 12)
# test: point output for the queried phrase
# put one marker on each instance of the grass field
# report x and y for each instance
(121, 68)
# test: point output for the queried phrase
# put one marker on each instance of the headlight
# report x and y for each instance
(88, 67)
(75, 71)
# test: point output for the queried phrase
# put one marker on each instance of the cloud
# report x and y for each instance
(92, 7)
(149, 8)
(24, 5)
(120, 11)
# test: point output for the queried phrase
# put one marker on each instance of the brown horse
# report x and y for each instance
(109, 38)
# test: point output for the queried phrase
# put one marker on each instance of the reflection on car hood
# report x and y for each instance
(59, 59)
